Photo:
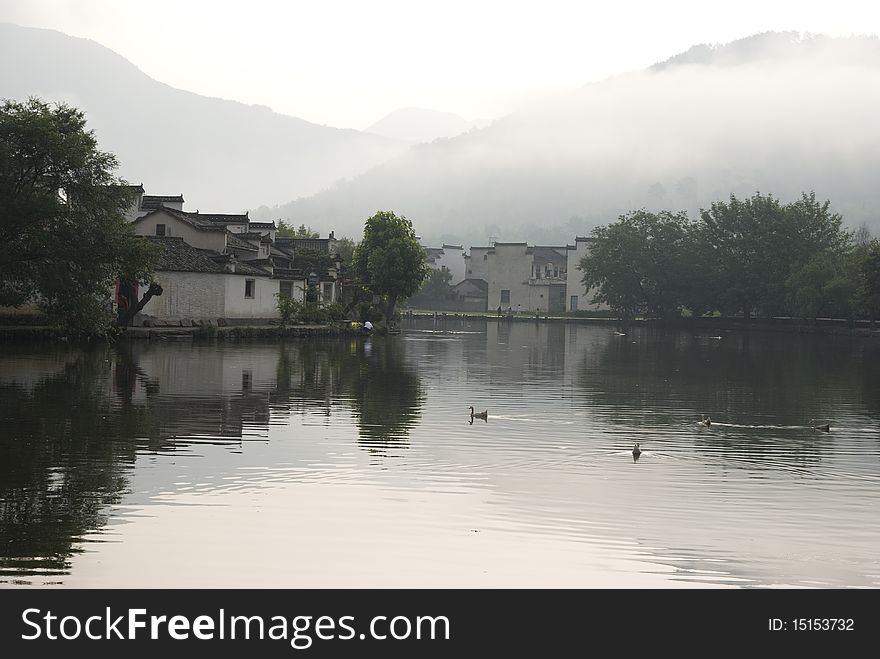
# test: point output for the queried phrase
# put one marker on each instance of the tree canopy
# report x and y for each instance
(754, 256)
(286, 230)
(389, 261)
(641, 264)
(62, 217)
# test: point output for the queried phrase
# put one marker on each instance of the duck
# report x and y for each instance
(479, 415)
(707, 421)
(636, 450)
(824, 427)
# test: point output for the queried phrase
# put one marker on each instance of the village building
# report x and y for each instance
(450, 258)
(579, 298)
(223, 265)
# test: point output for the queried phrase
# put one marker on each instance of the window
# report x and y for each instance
(249, 285)
(160, 229)
(286, 288)
(574, 303)
(505, 296)
(327, 296)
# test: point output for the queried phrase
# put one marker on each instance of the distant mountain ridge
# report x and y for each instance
(222, 155)
(418, 125)
(777, 113)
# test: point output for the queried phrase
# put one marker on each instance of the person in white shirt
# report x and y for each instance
(368, 326)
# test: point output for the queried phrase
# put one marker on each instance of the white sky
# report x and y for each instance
(347, 63)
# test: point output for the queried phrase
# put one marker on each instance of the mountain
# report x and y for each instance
(417, 125)
(777, 113)
(224, 156)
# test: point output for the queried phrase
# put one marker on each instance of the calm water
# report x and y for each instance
(353, 463)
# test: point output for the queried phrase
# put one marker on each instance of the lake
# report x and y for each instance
(354, 462)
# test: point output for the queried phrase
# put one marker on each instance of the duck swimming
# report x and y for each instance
(825, 427)
(479, 415)
(636, 450)
(707, 421)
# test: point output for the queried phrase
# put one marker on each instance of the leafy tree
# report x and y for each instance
(286, 230)
(437, 286)
(642, 264)
(870, 280)
(755, 246)
(62, 217)
(345, 248)
(389, 261)
(310, 260)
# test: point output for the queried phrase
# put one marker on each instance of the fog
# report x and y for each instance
(777, 113)
(773, 113)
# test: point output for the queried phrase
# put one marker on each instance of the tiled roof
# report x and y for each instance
(253, 235)
(262, 225)
(248, 268)
(275, 251)
(222, 218)
(190, 218)
(480, 284)
(179, 256)
(234, 242)
(155, 200)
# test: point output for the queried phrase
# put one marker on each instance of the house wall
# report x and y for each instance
(510, 266)
(477, 266)
(262, 305)
(213, 240)
(188, 295)
(574, 286)
(453, 260)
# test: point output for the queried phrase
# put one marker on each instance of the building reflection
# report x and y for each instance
(73, 422)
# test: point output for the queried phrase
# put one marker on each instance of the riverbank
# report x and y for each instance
(170, 333)
(837, 326)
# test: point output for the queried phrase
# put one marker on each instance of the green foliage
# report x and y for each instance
(742, 257)
(869, 280)
(310, 260)
(389, 261)
(62, 226)
(286, 230)
(757, 244)
(294, 312)
(437, 286)
(345, 249)
(642, 264)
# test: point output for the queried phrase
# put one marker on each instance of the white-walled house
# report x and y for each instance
(579, 298)
(450, 258)
(171, 223)
(199, 284)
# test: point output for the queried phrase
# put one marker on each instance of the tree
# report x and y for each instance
(389, 261)
(345, 249)
(62, 217)
(757, 245)
(286, 230)
(642, 264)
(870, 280)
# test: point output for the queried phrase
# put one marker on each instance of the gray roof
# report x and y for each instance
(179, 256)
(191, 219)
(222, 218)
(234, 242)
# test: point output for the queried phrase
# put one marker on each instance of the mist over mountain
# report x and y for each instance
(777, 113)
(224, 156)
(418, 125)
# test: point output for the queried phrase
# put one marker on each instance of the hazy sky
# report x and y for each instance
(347, 63)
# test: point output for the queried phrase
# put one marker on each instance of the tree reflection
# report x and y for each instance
(386, 394)
(368, 374)
(61, 463)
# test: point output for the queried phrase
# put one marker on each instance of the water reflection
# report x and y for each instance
(367, 452)
(73, 422)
